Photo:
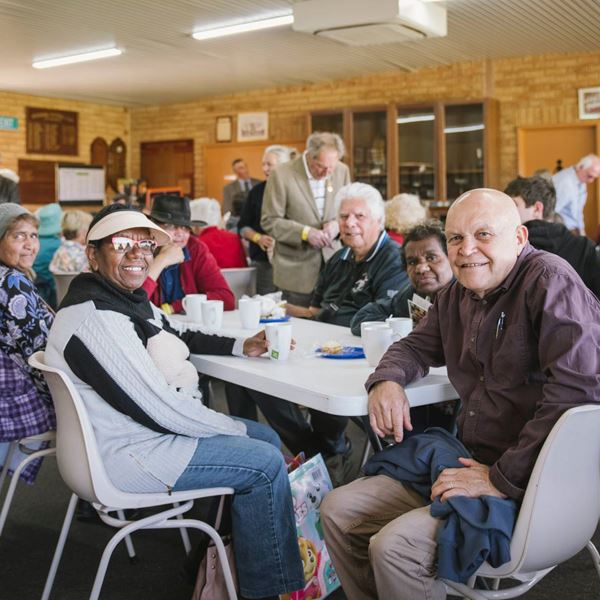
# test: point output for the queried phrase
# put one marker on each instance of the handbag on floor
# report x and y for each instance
(210, 583)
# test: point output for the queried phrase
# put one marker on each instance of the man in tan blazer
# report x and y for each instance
(298, 212)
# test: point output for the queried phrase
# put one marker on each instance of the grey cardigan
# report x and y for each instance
(146, 430)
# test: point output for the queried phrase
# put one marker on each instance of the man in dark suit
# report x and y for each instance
(235, 193)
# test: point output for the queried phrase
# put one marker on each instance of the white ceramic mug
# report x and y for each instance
(376, 340)
(371, 324)
(192, 304)
(212, 314)
(401, 326)
(249, 312)
(279, 337)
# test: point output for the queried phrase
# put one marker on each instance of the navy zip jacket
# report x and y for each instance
(475, 529)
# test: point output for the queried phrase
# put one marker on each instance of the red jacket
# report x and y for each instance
(225, 246)
(198, 275)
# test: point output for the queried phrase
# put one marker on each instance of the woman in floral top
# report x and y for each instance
(25, 404)
(70, 256)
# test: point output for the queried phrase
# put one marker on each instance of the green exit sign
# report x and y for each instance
(9, 123)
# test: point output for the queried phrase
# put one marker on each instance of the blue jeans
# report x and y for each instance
(264, 531)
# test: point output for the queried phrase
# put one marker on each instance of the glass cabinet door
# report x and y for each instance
(370, 148)
(416, 152)
(463, 136)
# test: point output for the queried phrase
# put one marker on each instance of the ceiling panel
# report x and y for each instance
(162, 63)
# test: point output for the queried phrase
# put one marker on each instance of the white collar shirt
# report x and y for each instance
(317, 187)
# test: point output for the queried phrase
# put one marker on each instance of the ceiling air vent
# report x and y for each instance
(362, 23)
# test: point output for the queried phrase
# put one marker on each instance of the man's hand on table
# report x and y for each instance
(389, 410)
(472, 481)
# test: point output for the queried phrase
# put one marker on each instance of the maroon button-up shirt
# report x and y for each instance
(519, 358)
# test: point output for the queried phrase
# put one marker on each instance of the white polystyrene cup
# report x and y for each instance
(279, 338)
(249, 312)
(192, 304)
(401, 326)
(376, 340)
(371, 324)
(212, 314)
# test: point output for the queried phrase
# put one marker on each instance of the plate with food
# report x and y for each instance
(337, 351)
(271, 319)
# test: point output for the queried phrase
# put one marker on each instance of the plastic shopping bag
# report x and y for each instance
(310, 482)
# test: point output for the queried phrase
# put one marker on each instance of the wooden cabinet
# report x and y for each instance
(436, 150)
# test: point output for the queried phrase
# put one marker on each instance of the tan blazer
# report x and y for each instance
(289, 206)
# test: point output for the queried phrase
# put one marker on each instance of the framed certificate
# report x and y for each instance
(224, 129)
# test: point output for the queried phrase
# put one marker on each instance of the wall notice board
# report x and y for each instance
(79, 183)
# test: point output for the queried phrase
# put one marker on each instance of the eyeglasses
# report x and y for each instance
(125, 244)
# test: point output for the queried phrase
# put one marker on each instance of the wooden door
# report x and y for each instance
(117, 161)
(99, 155)
(218, 159)
(541, 148)
(169, 164)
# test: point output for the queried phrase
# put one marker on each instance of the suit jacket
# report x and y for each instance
(289, 206)
(231, 189)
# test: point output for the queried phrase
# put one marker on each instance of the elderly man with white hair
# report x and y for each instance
(571, 191)
(298, 213)
(368, 268)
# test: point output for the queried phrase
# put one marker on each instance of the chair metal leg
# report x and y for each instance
(128, 541)
(15, 479)
(60, 546)
(595, 556)
(185, 538)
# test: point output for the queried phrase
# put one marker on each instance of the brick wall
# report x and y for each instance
(95, 120)
(531, 90)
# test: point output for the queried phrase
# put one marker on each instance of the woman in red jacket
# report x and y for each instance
(185, 266)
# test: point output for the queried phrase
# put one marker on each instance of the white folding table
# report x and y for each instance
(332, 386)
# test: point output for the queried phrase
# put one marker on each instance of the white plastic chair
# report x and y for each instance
(560, 510)
(63, 281)
(32, 454)
(81, 468)
(241, 281)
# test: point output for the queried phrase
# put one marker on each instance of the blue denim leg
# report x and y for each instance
(264, 531)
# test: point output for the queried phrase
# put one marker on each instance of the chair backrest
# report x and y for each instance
(561, 507)
(63, 281)
(241, 281)
(77, 453)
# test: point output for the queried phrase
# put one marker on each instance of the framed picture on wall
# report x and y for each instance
(589, 103)
(223, 133)
(252, 127)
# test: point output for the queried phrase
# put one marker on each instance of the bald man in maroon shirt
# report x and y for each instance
(520, 335)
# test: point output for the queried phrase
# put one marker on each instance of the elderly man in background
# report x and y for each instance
(571, 191)
(368, 268)
(298, 212)
(535, 199)
(520, 335)
(236, 192)
(426, 262)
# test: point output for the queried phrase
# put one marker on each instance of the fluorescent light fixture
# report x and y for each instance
(464, 129)
(76, 58)
(414, 119)
(208, 34)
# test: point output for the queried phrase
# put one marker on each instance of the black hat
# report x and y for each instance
(172, 209)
